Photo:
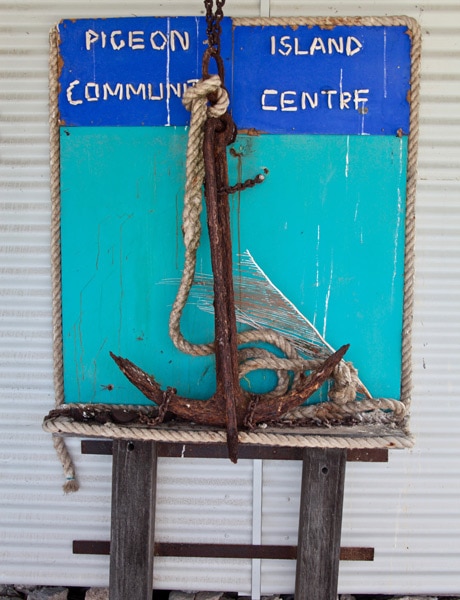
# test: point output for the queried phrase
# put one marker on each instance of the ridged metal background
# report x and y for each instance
(409, 510)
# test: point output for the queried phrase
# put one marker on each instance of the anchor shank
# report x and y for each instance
(218, 134)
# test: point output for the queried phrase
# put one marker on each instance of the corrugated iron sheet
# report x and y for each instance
(408, 510)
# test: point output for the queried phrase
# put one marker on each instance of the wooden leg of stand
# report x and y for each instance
(320, 523)
(133, 520)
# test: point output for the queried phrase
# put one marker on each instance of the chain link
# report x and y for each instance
(214, 28)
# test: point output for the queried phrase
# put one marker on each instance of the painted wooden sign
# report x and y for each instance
(325, 112)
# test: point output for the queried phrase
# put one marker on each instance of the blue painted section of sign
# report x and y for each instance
(133, 72)
(326, 226)
(344, 80)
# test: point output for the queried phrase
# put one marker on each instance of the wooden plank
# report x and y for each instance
(133, 520)
(178, 450)
(367, 455)
(222, 550)
(320, 523)
(100, 447)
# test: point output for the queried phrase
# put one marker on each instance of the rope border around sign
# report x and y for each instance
(400, 437)
(71, 483)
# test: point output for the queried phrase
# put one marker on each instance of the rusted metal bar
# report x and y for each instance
(250, 551)
(218, 134)
(222, 550)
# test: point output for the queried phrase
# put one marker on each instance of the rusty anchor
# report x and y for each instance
(230, 406)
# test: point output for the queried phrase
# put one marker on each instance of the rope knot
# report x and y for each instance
(200, 93)
(346, 382)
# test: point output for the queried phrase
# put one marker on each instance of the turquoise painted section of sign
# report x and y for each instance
(327, 227)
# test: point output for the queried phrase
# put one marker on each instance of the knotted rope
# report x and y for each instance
(196, 101)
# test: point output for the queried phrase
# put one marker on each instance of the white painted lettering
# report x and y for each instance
(184, 40)
(317, 44)
(103, 38)
(358, 100)
(161, 91)
(264, 97)
(163, 38)
(335, 44)
(115, 45)
(136, 40)
(312, 101)
(139, 91)
(187, 84)
(353, 45)
(284, 42)
(299, 46)
(345, 98)
(175, 89)
(297, 50)
(69, 96)
(91, 38)
(108, 91)
(94, 95)
(286, 103)
(329, 94)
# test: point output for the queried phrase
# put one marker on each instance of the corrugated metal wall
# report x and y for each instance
(408, 509)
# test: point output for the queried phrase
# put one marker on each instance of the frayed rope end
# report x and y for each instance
(71, 485)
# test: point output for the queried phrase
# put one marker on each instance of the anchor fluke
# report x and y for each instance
(251, 410)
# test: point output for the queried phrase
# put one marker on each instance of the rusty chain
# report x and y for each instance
(213, 20)
(213, 30)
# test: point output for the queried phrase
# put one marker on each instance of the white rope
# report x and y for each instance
(196, 100)
(71, 483)
(391, 438)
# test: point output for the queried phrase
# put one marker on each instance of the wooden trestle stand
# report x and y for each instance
(133, 547)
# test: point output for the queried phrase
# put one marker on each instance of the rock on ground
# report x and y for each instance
(97, 594)
(48, 593)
